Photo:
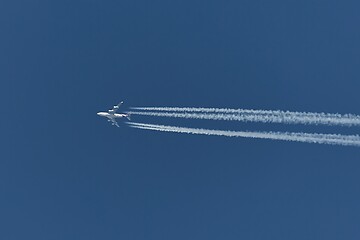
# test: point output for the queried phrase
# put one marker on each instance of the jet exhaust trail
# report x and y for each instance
(245, 115)
(333, 139)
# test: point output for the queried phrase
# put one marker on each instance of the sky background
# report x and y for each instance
(65, 173)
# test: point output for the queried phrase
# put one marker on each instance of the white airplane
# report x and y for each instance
(111, 114)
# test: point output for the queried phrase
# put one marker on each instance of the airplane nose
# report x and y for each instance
(98, 113)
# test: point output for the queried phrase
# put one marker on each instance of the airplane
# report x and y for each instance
(111, 114)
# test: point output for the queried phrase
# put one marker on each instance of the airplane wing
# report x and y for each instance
(113, 122)
(115, 108)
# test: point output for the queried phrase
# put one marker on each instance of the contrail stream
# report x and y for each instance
(334, 139)
(248, 115)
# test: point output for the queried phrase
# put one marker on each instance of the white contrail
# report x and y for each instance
(334, 139)
(265, 116)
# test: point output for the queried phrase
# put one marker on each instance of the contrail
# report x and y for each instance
(246, 115)
(334, 139)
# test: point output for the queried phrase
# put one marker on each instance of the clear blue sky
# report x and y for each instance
(65, 173)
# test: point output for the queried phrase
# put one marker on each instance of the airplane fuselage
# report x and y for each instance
(112, 115)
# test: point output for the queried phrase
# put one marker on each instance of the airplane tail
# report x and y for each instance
(128, 116)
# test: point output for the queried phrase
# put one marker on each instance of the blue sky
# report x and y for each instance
(65, 173)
